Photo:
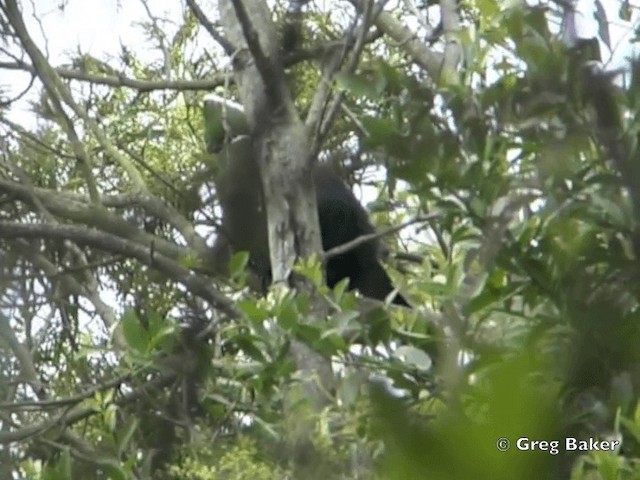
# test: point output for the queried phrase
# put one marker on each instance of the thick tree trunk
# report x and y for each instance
(281, 145)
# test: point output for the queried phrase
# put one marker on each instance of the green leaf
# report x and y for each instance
(248, 344)
(125, 434)
(349, 388)
(65, 464)
(382, 132)
(309, 333)
(481, 301)
(488, 8)
(288, 316)
(360, 86)
(343, 323)
(109, 416)
(251, 309)
(340, 288)
(414, 357)
(332, 343)
(155, 323)
(617, 214)
(311, 268)
(164, 338)
(378, 325)
(238, 264)
(136, 336)
(394, 80)
(113, 469)
(411, 335)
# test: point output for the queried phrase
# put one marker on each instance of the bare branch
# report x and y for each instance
(57, 89)
(25, 358)
(65, 402)
(360, 40)
(408, 41)
(53, 87)
(110, 243)
(64, 206)
(88, 289)
(209, 27)
(362, 239)
(122, 81)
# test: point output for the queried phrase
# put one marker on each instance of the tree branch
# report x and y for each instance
(451, 29)
(88, 289)
(58, 90)
(110, 243)
(80, 413)
(266, 60)
(123, 81)
(64, 205)
(407, 41)
(209, 27)
(321, 113)
(22, 353)
(362, 239)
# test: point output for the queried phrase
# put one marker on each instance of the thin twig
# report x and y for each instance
(362, 239)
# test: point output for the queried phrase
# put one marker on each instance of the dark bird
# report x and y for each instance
(342, 219)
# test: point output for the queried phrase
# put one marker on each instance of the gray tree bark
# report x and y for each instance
(281, 145)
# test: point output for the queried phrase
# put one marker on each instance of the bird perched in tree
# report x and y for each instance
(244, 221)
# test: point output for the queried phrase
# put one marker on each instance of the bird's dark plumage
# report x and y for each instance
(342, 219)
